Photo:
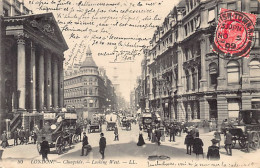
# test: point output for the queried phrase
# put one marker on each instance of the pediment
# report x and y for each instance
(41, 25)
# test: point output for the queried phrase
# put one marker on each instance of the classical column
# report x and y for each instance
(41, 78)
(61, 85)
(222, 74)
(2, 75)
(180, 70)
(12, 6)
(195, 109)
(189, 111)
(21, 71)
(55, 82)
(245, 74)
(203, 81)
(32, 78)
(48, 80)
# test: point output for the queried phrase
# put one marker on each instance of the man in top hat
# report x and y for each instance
(15, 134)
(45, 149)
(84, 144)
(228, 143)
(172, 133)
(102, 145)
(116, 134)
(213, 151)
(188, 142)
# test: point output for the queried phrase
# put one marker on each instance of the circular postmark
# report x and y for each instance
(234, 33)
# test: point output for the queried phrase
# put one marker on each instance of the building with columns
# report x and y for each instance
(186, 80)
(88, 89)
(32, 75)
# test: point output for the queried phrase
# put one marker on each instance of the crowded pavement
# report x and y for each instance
(125, 150)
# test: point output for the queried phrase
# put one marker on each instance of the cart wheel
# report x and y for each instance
(255, 141)
(233, 143)
(242, 142)
(58, 145)
(66, 143)
(38, 147)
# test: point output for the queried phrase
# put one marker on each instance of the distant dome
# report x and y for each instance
(89, 62)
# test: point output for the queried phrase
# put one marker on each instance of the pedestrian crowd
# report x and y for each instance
(20, 136)
(156, 133)
(193, 142)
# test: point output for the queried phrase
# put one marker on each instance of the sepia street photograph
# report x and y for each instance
(130, 83)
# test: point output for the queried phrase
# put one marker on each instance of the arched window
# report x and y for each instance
(254, 66)
(187, 80)
(233, 72)
(213, 73)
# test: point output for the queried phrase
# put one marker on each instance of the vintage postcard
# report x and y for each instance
(130, 83)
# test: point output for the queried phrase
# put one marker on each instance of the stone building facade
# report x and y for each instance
(88, 88)
(186, 80)
(32, 71)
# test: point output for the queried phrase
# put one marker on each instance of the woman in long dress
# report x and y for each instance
(198, 146)
(140, 139)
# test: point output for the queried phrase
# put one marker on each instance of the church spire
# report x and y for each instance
(88, 53)
(89, 62)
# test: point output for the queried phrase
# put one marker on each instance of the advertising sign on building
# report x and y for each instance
(49, 116)
(70, 116)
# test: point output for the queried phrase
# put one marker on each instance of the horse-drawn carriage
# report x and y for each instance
(247, 131)
(130, 118)
(111, 120)
(95, 125)
(125, 124)
(58, 130)
(146, 120)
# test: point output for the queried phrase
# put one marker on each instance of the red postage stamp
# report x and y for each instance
(234, 33)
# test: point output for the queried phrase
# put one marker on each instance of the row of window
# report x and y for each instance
(192, 80)
(192, 51)
(190, 4)
(90, 80)
(192, 110)
(89, 70)
(83, 71)
(233, 71)
(17, 5)
(233, 107)
(192, 25)
(80, 91)
(233, 75)
(79, 103)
